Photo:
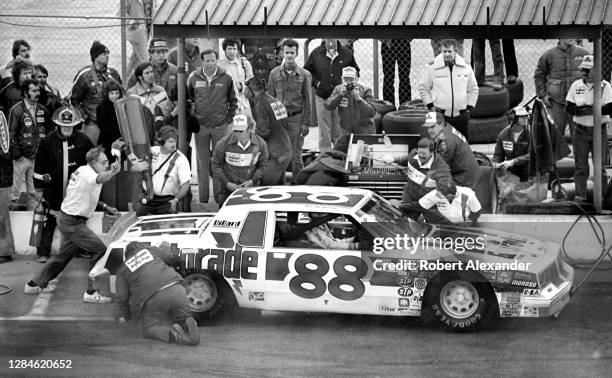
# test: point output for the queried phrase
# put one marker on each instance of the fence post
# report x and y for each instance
(182, 94)
(123, 41)
(597, 148)
(375, 67)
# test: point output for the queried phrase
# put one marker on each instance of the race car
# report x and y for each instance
(348, 250)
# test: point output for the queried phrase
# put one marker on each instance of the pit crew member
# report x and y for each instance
(512, 146)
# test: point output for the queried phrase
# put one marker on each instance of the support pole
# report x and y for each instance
(375, 67)
(124, 57)
(597, 150)
(182, 94)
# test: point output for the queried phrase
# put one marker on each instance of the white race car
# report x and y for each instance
(263, 250)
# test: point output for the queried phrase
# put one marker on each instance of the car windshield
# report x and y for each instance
(384, 219)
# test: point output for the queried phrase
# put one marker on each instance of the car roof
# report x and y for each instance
(299, 195)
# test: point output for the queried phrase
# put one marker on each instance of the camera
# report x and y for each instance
(350, 87)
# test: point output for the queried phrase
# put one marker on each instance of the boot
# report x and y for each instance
(190, 336)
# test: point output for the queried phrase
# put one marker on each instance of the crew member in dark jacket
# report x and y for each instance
(512, 146)
(60, 153)
(425, 168)
(7, 244)
(148, 288)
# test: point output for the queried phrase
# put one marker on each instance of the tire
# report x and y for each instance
(407, 121)
(378, 123)
(208, 296)
(491, 102)
(515, 92)
(382, 107)
(413, 104)
(485, 130)
(461, 302)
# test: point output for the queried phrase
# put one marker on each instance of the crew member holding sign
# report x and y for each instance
(290, 84)
(81, 200)
(512, 146)
(425, 168)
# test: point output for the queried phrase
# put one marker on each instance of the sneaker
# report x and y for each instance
(32, 289)
(96, 297)
(42, 259)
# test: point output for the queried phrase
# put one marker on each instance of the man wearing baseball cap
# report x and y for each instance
(353, 102)
(454, 148)
(164, 72)
(239, 158)
(579, 104)
(512, 146)
(60, 153)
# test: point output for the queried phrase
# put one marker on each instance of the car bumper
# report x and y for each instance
(552, 299)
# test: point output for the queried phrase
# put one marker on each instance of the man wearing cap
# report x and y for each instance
(86, 92)
(290, 84)
(60, 153)
(28, 124)
(239, 158)
(164, 72)
(214, 105)
(171, 175)
(353, 102)
(512, 146)
(454, 148)
(556, 70)
(325, 64)
(82, 198)
(425, 167)
(580, 106)
(449, 86)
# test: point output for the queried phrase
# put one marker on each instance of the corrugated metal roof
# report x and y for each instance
(270, 14)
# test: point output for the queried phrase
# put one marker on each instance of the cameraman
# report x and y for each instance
(353, 101)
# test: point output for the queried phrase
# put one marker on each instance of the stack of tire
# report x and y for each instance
(408, 119)
(382, 107)
(489, 116)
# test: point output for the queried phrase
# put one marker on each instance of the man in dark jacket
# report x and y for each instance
(425, 168)
(325, 63)
(148, 288)
(11, 94)
(454, 148)
(512, 146)
(165, 73)
(273, 129)
(60, 153)
(214, 106)
(7, 244)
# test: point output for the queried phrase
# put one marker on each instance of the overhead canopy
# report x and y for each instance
(383, 19)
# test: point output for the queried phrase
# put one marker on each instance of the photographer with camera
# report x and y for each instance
(353, 102)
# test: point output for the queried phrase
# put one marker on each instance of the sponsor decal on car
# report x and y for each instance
(531, 292)
(226, 223)
(405, 281)
(509, 313)
(409, 312)
(387, 309)
(420, 283)
(256, 295)
(404, 302)
(503, 277)
(404, 291)
(510, 297)
(529, 311)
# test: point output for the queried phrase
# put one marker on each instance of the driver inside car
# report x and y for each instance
(323, 236)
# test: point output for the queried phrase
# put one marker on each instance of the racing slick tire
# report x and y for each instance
(407, 121)
(209, 296)
(461, 302)
(515, 92)
(492, 102)
(382, 107)
(412, 104)
(486, 130)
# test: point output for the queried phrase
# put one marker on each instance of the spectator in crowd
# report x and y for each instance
(325, 63)
(395, 51)
(193, 57)
(239, 68)
(273, 131)
(21, 49)
(512, 146)
(86, 93)
(136, 34)
(79, 204)
(264, 54)
(557, 69)
(453, 98)
(50, 96)
(425, 168)
(171, 175)
(214, 100)
(454, 204)
(510, 60)
(28, 124)
(239, 158)
(149, 288)
(11, 93)
(580, 106)
(353, 102)
(436, 45)
(164, 73)
(290, 84)
(7, 244)
(454, 149)
(149, 93)
(60, 153)
(478, 59)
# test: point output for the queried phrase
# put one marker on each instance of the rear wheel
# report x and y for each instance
(207, 296)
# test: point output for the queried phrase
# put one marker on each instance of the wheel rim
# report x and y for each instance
(202, 292)
(459, 299)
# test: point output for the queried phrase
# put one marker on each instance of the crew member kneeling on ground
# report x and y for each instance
(425, 168)
(171, 175)
(512, 146)
(148, 288)
(239, 158)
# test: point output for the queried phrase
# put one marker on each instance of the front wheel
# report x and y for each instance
(461, 305)
(206, 296)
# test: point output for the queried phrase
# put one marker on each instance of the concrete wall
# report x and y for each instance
(581, 243)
